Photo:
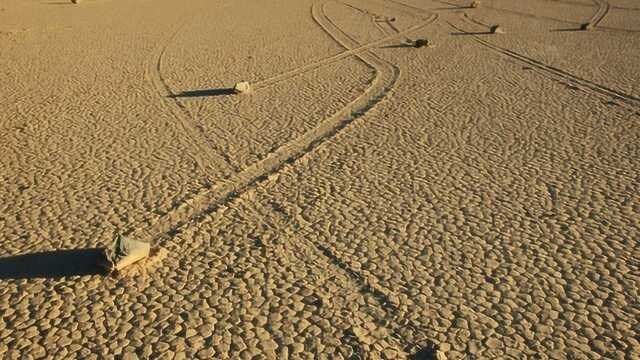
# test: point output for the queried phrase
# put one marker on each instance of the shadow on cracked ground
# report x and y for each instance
(52, 264)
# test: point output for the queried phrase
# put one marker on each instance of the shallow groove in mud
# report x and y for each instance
(206, 150)
(207, 202)
(228, 188)
(603, 9)
(553, 72)
(165, 227)
(265, 83)
(392, 320)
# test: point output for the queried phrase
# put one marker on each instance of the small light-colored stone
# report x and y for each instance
(586, 26)
(496, 29)
(242, 87)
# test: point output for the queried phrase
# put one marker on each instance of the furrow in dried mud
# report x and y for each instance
(207, 153)
(206, 203)
(388, 314)
(384, 310)
(265, 83)
(530, 16)
(552, 72)
(603, 9)
(406, 8)
(159, 228)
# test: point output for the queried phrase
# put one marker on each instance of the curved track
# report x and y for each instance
(603, 9)
(553, 72)
(631, 102)
(160, 227)
(207, 152)
(265, 83)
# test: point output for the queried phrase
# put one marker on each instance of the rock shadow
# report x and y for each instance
(397, 46)
(472, 33)
(52, 264)
(570, 30)
(204, 93)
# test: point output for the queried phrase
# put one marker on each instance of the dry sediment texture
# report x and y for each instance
(557, 40)
(366, 200)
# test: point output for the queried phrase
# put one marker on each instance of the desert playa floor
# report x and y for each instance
(479, 196)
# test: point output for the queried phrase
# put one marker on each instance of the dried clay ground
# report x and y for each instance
(477, 198)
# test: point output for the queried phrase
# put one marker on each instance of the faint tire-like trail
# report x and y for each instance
(207, 152)
(390, 31)
(208, 201)
(603, 9)
(576, 3)
(406, 8)
(383, 305)
(553, 72)
(530, 16)
(265, 83)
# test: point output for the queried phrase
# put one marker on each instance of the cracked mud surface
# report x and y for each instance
(368, 199)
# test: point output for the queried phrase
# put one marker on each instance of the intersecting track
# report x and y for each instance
(392, 319)
(389, 31)
(632, 102)
(595, 20)
(265, 83)
(160, 227)
(207, 152)
(531, 16)
(603, 9)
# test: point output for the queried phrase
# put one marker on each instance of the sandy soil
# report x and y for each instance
(368, 199)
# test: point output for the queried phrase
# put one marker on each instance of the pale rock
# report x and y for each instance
(242, 87)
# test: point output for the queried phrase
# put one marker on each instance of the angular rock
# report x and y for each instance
(587, 26)
(242, 87)
(496, 29)
(124, 252)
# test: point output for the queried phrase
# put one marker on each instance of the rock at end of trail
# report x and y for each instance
(586, 26)
(75, 1)
(496, 29)
(242, 87)
(124, 252)
(474, 4)
(421, 43)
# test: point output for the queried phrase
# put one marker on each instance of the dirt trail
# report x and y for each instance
(208, 152)
(370, 199)
(208, 201)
